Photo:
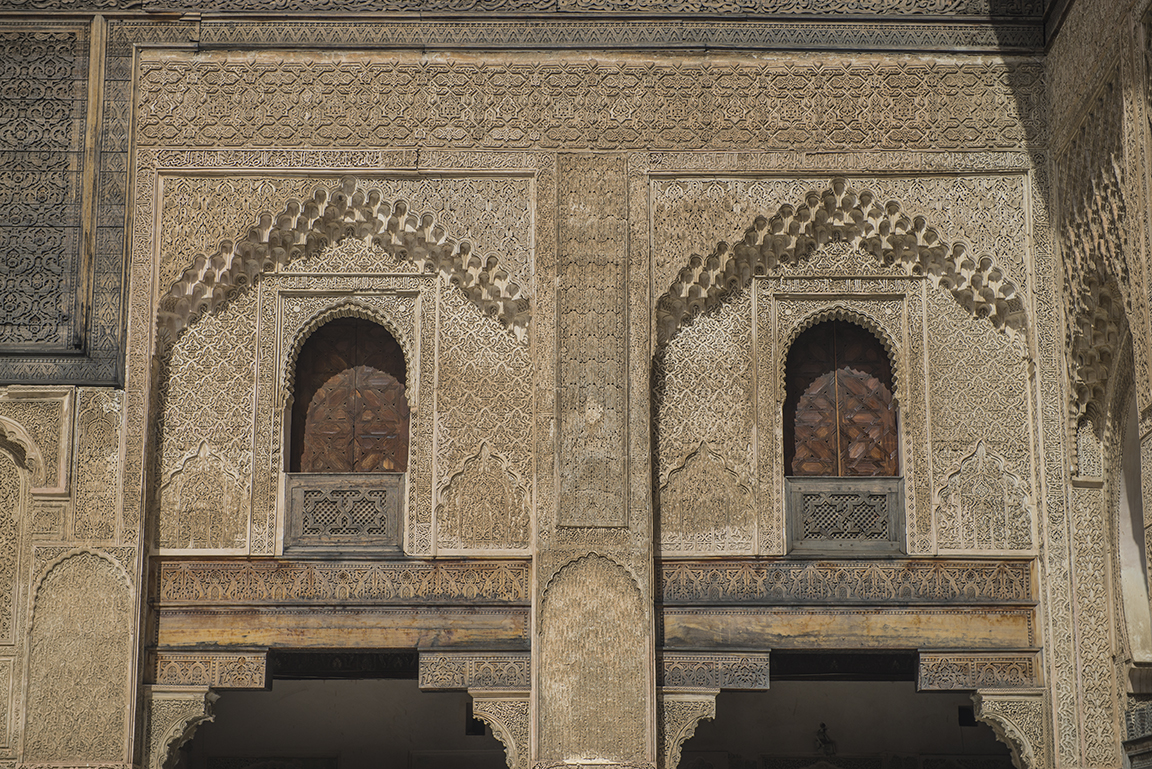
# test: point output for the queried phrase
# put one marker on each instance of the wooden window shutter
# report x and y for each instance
(839, 418)
(351, 411)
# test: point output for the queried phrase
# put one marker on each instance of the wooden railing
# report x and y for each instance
(336, 512)
(845, 515)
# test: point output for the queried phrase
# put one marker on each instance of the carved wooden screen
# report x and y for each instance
(839, 419)
(351, 413)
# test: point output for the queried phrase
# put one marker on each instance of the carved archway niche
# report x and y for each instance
(303, 228)
(849, 367)
(840, 214)
(1097, 292)
(348, 308)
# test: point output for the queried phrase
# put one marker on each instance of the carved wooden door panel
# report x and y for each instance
(381, 428)
(817, 450)
(840, 399)
(353, 413)
(328, 430)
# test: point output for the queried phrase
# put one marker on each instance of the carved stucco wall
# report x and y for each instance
(43, 79)
(483, 428)
(989, 114)
(13, 490)
(13, 506)
(1098, 85)
(973, 381)
(68, 599)
(981, 412)
(205, 434)
(480, 370)
(705, 417)
(98, 462)
(37, 430)
(779, 103)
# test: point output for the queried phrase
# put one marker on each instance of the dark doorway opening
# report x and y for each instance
(343, 710)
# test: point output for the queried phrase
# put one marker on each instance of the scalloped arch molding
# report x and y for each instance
(331, 215)
(839, 213)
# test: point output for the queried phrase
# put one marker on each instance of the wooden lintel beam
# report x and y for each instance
(343, 628)
(850, 628)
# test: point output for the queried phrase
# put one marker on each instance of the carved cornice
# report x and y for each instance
(219, 670)
(475, 671)
(302, 229)
(663, 33)
(896, 582)
(278, 583)
(961, 671)
(840, 214)
(748, 671)
(1030, 10)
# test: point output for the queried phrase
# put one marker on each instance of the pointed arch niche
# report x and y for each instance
(724, 329)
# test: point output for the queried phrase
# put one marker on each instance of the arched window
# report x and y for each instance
(351, 413)
(841, 443)
(839, 418)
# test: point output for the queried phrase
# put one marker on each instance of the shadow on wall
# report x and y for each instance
(843, 725)
(343, 724)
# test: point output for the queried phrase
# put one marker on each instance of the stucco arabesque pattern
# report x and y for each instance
(986, 210)
(679, 715)
(1095, 287)
(486, 208)
(36, 425)
(484, 408)
(483, 204)
(704, 406)
(509, 717)
(839, 213)
(571, 102)
(174, 715)
(304, 228)
(1019, 721)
